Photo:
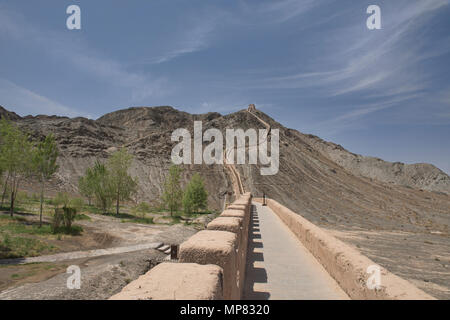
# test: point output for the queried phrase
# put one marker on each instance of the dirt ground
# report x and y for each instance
(421, 258)
(16, 275)
(101, 276)
(102, 232)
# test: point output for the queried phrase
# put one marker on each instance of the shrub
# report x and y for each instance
(61, 200)
(69, 217)
(63, 219)
(58, 219)
(195, 196)
(172, 193)
(22, 196)
(142, 208)
(35, 196)
(77, 204)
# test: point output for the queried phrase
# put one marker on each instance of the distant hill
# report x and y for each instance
(8, 114)
(419, 175)
(359, 198)
(146, 132)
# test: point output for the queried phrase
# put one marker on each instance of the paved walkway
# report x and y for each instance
(280, 267)
(81, 254)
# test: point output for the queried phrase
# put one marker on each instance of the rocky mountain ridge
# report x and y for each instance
(398, 215)
(146, 132)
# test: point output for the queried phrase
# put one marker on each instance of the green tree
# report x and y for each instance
(172, 194)
(4, 128)
(3, 182)
(3, 131)
(142, 209)
(5, 190)
(123, 186)
(16, 154)
(195, 195)
(65, 211)
(86, 185)
(77, 204)
(45, 165)
(69, 217)
(61, 200)
(102, 186)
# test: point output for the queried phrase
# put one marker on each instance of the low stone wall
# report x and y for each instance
(176, 281)
(215, 247)
(345, 264)
(211, 263)
(234, 225)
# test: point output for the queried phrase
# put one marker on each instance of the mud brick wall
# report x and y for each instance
(345, 264)
(211, 263)
(176, 281)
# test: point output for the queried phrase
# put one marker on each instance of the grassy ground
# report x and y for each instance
(21, 236)
(27, 203)
(17, 247)
(154, 216)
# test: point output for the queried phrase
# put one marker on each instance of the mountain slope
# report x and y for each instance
(8, 114)
(419, 175)
(384, 209)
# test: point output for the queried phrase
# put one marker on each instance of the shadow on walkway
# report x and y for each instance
(255, 276)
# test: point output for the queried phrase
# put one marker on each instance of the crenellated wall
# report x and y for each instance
(211, 263)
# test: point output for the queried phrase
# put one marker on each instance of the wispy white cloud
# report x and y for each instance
(80, 56)
(192, 40)
(378, 61)
(348, 120)
(287, 9)
(365, 82)
(274, 12)
(196, 33)
(27, 102)
(379, 66)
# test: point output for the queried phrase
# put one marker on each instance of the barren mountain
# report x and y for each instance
(398, 215)
(419, 175)
(8, 114)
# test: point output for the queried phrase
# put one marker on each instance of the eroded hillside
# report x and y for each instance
(398, 215)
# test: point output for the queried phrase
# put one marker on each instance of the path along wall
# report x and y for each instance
(211, 263)
(345, 264)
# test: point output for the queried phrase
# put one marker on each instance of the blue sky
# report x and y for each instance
(312, 65)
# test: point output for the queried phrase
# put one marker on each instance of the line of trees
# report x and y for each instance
(192, 199)
(109, 183)
(23, 158)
